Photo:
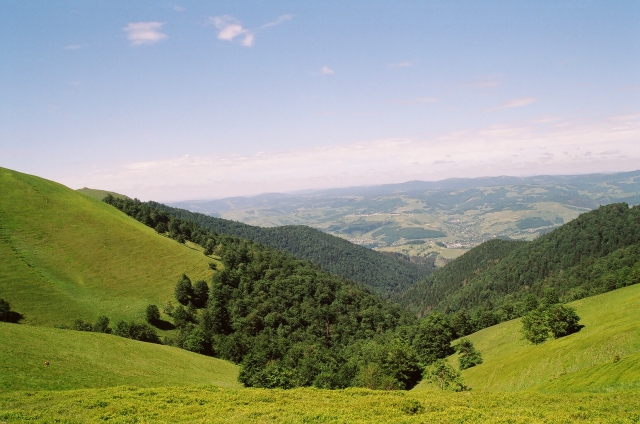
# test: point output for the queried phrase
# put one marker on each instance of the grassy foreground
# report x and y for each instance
(216, 405)
(603, 356)
(84, 360)
(64, 256)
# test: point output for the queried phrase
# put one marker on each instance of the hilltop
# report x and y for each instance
(67, 256)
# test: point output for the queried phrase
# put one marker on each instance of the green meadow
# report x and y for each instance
(80, 359)
(603, 356)
(67, 256)
(212, 404)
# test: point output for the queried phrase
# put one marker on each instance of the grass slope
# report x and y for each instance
(84, 360)
(579, 362)
(100, 194)
(64, 255)
(216, 405)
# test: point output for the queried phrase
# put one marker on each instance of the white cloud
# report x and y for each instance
(524, 101)
(528, 149)
(400, 65)
(325, 70)
(229, 28)
(140, 33)
(72, 47)
(179, 8)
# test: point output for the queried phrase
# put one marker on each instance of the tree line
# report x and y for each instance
(287, 322)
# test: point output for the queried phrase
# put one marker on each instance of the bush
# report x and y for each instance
(135, 331)
(184, 290)
(102, 325)
(562, 320)
(559, 320)
(152, 314)
(535, 327)
(445, 376)
(469, 356)
(80, 325)
(5, 311)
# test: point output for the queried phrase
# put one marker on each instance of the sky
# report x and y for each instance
(172, 101)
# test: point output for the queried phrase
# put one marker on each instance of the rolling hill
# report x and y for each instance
(80, 359)
(604, 356)
(67, 256)
(597, 252)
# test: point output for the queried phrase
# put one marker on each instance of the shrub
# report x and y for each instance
(102, 325)
(469, 356)
(183, 290)
(562, 320)
(135, 331)
(152, 314)
(535, 327)
(5, 311)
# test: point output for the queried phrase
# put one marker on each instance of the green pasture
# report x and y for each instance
(100, 194)
(603, 356)
(89, 360)
(66, 256)
(212, 404)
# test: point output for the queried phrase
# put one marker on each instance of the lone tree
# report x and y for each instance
(445, 376)
(184, 290)
(152, 314)
(559, 320)
(562, 320)
(5, 311)
(535, 327)
(469, 356)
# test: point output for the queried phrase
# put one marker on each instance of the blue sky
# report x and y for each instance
(187, 100)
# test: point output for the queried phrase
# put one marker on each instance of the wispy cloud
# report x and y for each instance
(72, 47)
(325, 70)
(523, 101)
(230, 28)
(415, 101)
(527, 149)
(635, 87)
(400, 64)
(179, 8)
(140, 33)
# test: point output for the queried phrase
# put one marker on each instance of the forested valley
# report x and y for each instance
(501, 280)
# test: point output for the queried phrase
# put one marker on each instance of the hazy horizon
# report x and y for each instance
(186, 100)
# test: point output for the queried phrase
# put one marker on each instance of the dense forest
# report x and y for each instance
(383, 274)
(499, 280)
(286, 321)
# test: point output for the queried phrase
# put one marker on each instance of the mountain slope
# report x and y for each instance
(81, 360)
(65, 256)
(584, 361)
(597, 252)
(383, 274)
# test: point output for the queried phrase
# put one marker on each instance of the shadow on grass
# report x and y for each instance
(163, 325)
(14, 317)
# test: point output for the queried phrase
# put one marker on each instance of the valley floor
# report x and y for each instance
(213, 404)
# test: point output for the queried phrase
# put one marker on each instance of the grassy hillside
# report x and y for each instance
(64, 255)
(215, 405)
(100, 194)
(583, 361)
(83, 360)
